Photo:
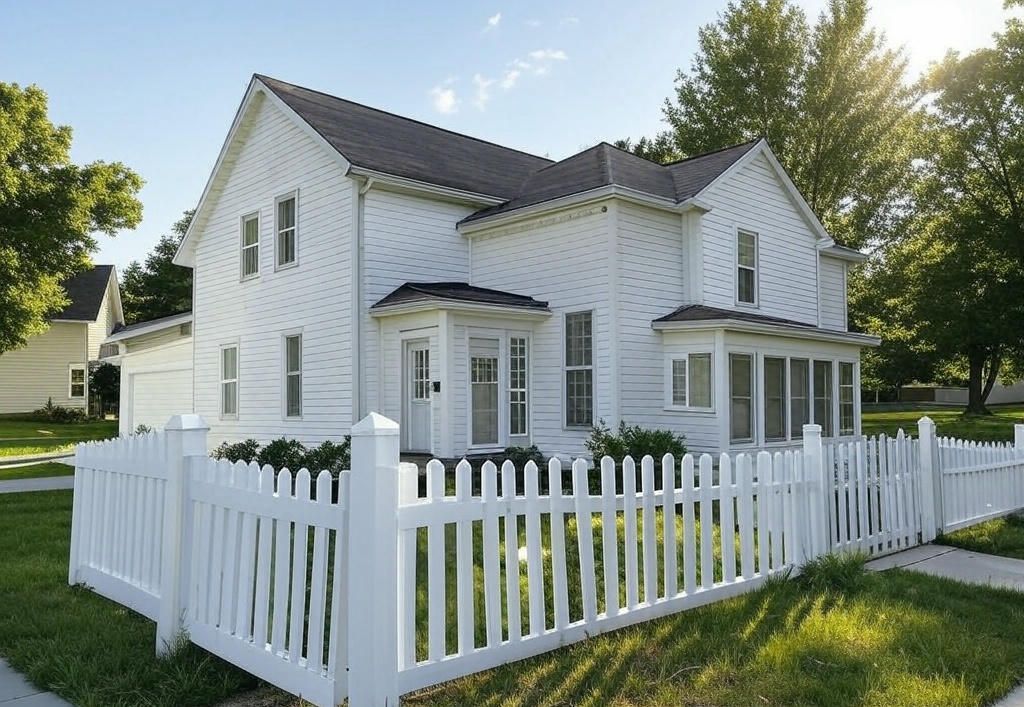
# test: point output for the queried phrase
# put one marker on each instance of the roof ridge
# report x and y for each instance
(712, 152)
(264, 78)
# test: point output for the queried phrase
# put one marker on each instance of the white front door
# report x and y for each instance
(416, 425)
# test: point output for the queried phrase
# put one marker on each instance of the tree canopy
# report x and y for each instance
(159, 287)
(49, 210)
(832, 101)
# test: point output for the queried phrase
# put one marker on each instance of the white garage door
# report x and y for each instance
(159, 394)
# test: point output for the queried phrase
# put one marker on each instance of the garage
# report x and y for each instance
(156, 371)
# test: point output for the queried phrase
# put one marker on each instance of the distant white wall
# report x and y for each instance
(38, 371)
(1001, 394)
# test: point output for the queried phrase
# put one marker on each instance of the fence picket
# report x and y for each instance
(668, 486)
(689, 528)
(630, 532)
(609, 537)
(464, 559)
(746, 509)
(261, 605)
(559, 581)
(588, 584)
(282, 568)
(436, 608)
(318, 580)
(707, 549)
(492, 574)
(775, 510)
(650, 548)
(513, 606)
(764, 478)
(726, 518)
(534, 556)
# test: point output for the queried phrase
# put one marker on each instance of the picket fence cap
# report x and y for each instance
(189, 421)
(374, 424)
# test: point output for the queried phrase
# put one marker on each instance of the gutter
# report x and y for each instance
(454, 305)
(792, 331)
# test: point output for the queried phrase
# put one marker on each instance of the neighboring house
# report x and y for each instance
(55, 364)
(349, 260)
(156, 370)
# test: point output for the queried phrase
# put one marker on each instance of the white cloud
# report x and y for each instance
(445, 99)
(493, 21)
(483, 91)
(510, 78)
(548, 55)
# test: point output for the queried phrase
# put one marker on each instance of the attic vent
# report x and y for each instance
(185, 329)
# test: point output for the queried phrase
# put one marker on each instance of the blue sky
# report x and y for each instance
(155, 84)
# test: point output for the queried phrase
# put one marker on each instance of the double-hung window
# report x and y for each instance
(250, 245)
(518, 353)
(741, 397)
(690, 381)
(846, 398)
(287, 234)
(775, 427)
(746, 267)
(799, 395)
(823, 396)
(293, 375)
(76, 381)
(579, 369)
(229, 381)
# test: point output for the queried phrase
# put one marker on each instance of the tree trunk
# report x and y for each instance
(976, 388)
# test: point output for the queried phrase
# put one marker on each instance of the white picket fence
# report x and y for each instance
(365, 589)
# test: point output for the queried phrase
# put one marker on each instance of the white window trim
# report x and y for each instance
(294, 194)
(834, 400)
(786, 405)
(670, 381)
(521, 436)
(755, 397)
(285, 374)
(839, 403)
(85, 380)
(592, 367)
(221, 380)
(756, 304)
(501, 336)
(242, 276)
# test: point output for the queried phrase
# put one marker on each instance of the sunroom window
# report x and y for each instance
(741, 397)
(690, 378)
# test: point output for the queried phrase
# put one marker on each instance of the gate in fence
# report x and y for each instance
(360, 587)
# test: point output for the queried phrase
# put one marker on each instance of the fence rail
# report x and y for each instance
(358, 586)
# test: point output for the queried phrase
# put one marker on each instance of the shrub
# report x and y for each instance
(332, 456)
(58, 413)
(283, 453)
(634, 441)
(836, 572)
(246, 451)
(520, 455)
(143, 430)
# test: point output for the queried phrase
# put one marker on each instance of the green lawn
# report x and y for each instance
(1002, 536)
(949, 422)
(19, 437)
(36, 471)
(893, 638)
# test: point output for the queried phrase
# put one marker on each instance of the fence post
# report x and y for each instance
(372, 573)
(814, 472)
(185, 438)
(931, 481)
(1018, 437)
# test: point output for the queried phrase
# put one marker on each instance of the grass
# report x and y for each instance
(949, 422)
(89, 650)
(19, 437)
(36, 471)
(1002, 536)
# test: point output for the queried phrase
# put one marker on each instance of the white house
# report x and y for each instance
(54, 365)
(349, 260)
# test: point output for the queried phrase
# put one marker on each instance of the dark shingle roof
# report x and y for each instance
(701, 313)
(85, 292)
(384, 142)
(604, 165)
(457, 292)
(139, 325)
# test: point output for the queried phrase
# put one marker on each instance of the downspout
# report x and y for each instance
(358, 389)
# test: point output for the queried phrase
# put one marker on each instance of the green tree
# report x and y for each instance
(158, 288)
(832, 102)
(49, 210)
(104, 386)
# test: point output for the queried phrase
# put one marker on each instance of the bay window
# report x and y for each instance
(799, 395)
(690, 381)
(741, 397)
(775, 427)
(823, 396)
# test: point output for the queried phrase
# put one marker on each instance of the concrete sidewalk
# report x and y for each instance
(954, 563)
(16, 691)
(48, 483)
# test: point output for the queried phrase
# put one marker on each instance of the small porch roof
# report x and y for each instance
(699, 316)
(416, 296)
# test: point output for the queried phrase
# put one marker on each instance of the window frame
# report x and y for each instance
(566, 369)
(294, 263)
(524, 390)
(669, 387)
(784, 399)
(833, 407)
(754, 397)
(222, 381)
(840, 432)
(796, 433)
(242, 247)
(72, 367)
(755, 268)
(286, 373)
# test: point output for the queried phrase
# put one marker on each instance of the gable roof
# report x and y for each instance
(456, 292)
(606, 165)
(85, 291)
(384, 142)
(128, 331)
(704, 313)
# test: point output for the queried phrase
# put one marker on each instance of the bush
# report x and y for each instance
(520, 455)
(283, 453)
(58, 413)
(245, 451)
(143, 430)
(633, 441)
(331, 456)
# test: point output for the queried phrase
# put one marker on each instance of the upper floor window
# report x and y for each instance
(76, 381)
(746, 267)
(250, 245)
(691, 381)
(286, 231)
(579, 369)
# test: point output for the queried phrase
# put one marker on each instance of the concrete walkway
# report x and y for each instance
(954, 563)
(49, 483)
(16, 691)
(64, 457)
